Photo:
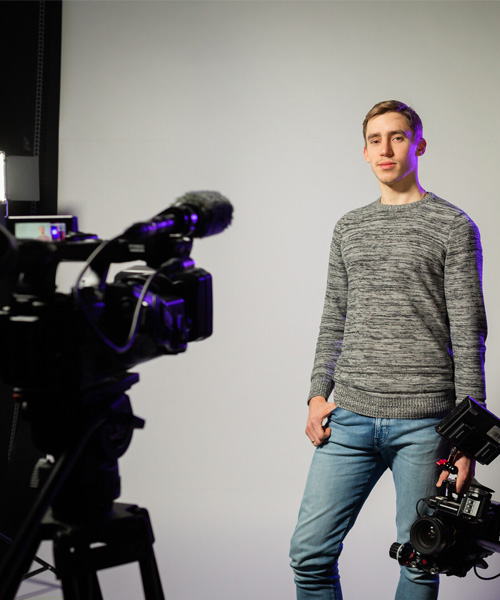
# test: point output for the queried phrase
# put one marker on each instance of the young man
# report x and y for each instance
(401, 340)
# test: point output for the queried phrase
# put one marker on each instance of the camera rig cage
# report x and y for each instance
(461, 530)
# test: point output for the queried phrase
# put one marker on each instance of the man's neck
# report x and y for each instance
(401, 195)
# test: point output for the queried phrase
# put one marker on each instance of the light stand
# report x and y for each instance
(4, 207)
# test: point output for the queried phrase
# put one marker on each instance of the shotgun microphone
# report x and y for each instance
(196, 214)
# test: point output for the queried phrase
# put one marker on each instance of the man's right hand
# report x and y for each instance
(319, 409)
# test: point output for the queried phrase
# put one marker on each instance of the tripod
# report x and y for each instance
(76, 509)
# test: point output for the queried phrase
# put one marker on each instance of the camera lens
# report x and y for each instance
(430, 535)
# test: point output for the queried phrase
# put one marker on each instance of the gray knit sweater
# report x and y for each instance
(403, 327)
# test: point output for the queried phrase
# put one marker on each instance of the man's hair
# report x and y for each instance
(381, 108)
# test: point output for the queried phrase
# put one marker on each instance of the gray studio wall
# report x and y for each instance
(263, 101)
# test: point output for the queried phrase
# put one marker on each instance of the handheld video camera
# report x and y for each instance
(461, 530)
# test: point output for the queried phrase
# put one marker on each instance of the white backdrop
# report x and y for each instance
(263, 101)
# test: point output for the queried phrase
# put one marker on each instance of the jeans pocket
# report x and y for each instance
(333, 415)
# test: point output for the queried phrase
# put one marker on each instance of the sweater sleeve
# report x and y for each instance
(465, 307)
(331, 329)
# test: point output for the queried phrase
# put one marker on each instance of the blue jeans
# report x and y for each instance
(343, 472)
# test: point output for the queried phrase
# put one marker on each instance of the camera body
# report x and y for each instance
(459, 531)
(56, 341)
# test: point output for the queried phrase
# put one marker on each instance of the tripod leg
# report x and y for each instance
(22, 565)
(84, 586)
(74, 566)
(151, 577)
(25, 544)
(151, 581)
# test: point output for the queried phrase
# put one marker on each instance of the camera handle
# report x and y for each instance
(449, 465)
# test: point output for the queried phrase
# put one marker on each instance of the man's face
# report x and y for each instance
(390, 148)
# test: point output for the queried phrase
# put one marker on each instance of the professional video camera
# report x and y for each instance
(67, 355)
(461, 530)
(100, 330)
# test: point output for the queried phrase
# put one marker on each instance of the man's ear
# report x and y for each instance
(421, 146)
(365, 154)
